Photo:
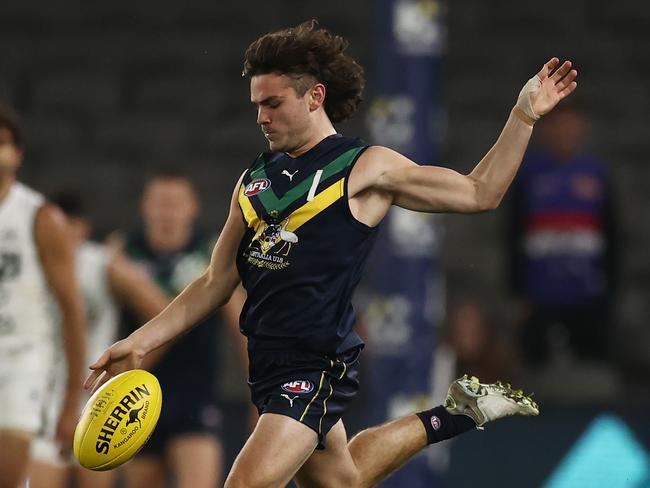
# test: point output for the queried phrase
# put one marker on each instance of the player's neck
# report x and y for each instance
(5, 185)
(168, 242)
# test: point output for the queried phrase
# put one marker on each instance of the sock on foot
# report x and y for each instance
(441, 425)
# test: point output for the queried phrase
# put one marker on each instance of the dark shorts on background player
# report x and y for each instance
(182, 416)
(314, 390)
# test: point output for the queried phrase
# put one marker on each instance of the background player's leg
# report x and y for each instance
(14, 456)
(272, 455)
(85, 478)
(369, 458)
(47, 467)
(196, 460)
(46, 475)
(145, 471)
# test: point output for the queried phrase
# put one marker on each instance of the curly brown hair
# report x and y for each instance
(310, 51)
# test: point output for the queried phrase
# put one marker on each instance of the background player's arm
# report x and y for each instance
(56, 252)
(134, 288)
(131, 286)
(402, 182)
(201, 297)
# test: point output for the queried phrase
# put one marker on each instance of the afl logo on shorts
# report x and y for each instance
(435, 422)
(257, 186)
(298, 386)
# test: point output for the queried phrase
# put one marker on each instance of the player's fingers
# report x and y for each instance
(547, 68)
(561, 72)
(567, 91)
(566, 81)
(92, 378)
(103, 379)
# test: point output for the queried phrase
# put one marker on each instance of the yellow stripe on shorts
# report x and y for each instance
(322, 377)
(320, 422)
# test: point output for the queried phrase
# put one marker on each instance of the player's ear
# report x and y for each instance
(316, 96)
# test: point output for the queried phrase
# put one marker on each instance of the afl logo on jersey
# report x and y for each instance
(298, 386)
(257, 186)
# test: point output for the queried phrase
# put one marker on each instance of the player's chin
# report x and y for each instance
(277, 146)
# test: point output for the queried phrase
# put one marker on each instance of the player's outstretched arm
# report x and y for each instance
(436, 189)
(200, 298)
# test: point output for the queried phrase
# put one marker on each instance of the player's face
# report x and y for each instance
(169, 205)
(565, 133)
(10, 154)
(282, 115)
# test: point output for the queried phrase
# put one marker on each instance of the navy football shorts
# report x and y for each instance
(314, 390)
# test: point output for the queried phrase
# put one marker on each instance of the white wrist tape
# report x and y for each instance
(524, 102)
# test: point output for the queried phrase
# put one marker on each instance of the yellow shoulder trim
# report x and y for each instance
(247, 209)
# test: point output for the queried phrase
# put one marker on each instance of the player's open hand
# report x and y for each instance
(118, 358)
(545, 90)
(557, 83)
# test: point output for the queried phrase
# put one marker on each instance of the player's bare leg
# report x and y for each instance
(14, 457)
(94, 479)
(145, 471)
(371, 456)
(333, 466)
(46, 475)
(375, 453)
(272, 455)
(196, 461)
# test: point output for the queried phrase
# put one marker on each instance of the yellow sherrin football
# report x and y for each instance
(117, 420)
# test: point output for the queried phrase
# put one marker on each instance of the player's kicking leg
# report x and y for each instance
(274, 452)
(376, 452)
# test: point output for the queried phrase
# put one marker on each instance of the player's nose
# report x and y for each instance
(263, 116)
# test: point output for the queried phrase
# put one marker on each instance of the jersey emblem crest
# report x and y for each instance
(268, 235)
(257, 186)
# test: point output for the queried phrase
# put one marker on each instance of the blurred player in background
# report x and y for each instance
(106, 279)
(302, 222)
(186, 442)
(563, 244)
(36, 263)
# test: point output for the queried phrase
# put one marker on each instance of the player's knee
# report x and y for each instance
(350, 478)
(241, 479)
